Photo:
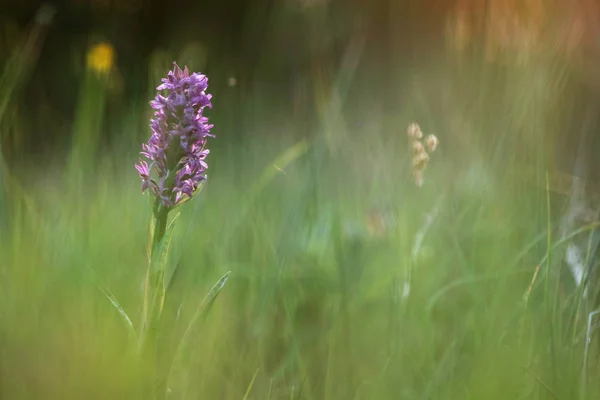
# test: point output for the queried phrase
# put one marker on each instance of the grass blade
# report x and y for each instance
(128, 323)
(250, 386)
(115, 303)
(286, 158)
(176, 369)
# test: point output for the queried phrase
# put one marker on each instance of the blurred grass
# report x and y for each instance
(316, 304)
(313, 311)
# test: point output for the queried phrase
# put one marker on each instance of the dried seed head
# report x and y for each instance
(418, 147)
(432, 143)
(420, 161)
(414, 131)
(421, 151)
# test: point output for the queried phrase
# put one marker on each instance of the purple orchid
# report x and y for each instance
(176, 151)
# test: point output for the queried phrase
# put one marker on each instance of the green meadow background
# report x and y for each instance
(346, 280)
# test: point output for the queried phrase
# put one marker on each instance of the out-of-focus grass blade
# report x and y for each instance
(87, 125)
(181, 355)
(15, 72)
(115, 303)
(584, 229)
(332, 110)
(251, 385)
(23, 57)
(284, 159)
(128, 323)
(4, 192)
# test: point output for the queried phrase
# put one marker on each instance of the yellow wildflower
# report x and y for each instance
(100, 58)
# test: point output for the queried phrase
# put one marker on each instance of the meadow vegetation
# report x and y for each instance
(311, 265)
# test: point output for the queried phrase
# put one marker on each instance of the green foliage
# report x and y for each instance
(319, 304)
(308, 322)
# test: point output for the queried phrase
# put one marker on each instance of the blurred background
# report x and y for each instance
(262, 45)
(277, 50)
(350, 279)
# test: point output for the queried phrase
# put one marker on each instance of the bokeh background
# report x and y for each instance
(272, 48)
(348, 279)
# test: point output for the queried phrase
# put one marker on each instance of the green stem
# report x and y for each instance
(152, 304)
(160, 225)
